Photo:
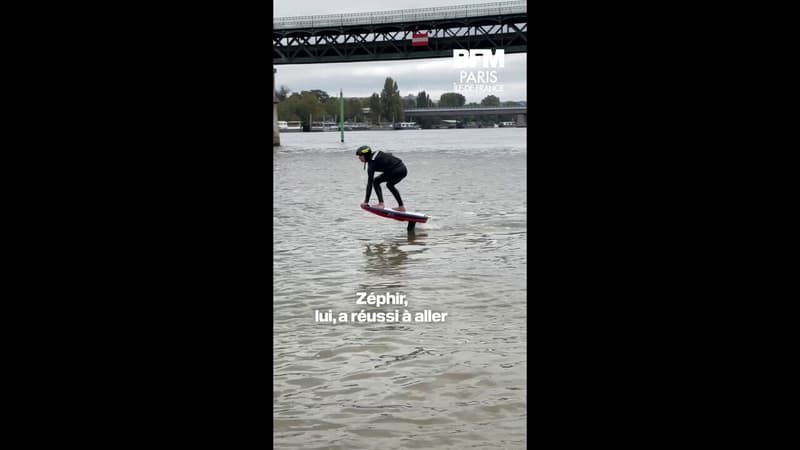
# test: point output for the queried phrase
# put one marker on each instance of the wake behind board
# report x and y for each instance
(403, 216)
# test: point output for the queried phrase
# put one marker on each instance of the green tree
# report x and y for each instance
(398, 111)
(320, 94)
(423, 100)
(287, 109)
(391, 103)
(307, 106)
(409, 102)
(451, 99)
(375, 108)
(332, 109)
(283, 93)
(490, 100)
(352, 110)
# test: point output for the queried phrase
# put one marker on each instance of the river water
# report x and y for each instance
(401, 383)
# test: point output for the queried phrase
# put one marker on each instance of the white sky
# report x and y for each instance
(288, 8)
(360, 79)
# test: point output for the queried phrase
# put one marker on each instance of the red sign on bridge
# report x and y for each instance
(419, 39)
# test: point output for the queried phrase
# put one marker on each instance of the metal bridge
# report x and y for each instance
(466, 111)
(387, 35)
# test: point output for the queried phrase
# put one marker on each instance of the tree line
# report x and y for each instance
(387, 107)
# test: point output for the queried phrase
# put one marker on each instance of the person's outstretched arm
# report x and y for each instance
(369, 186)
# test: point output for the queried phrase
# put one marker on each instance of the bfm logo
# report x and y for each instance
(469, 58)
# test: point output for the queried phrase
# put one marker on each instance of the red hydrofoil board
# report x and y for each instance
(403, 216)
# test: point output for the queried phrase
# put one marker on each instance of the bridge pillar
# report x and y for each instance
(521, 120)
(276, 135)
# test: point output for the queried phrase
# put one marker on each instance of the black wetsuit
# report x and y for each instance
(393, 171)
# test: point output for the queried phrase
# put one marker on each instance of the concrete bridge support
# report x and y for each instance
(276, 135)
(522, 120)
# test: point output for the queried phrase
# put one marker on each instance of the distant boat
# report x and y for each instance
(325, 126)
(289, 126)
(453, 123)
(355, 126)
(406, 126)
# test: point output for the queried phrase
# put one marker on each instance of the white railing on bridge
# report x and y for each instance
(466, 108)
(402, 15)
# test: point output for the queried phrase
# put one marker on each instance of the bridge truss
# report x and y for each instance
(388, 35)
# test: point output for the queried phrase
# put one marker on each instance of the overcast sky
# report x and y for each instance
(360, 79)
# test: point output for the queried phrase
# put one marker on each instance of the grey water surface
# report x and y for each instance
(459, 383)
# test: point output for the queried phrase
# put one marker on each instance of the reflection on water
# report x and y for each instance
(386, 263)
(457, 383)
(385, 258)
(413, 235)
(382, 259)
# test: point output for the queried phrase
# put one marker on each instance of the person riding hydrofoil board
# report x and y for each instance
(393, 171)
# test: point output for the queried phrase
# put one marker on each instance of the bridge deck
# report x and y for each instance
(466, 111)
